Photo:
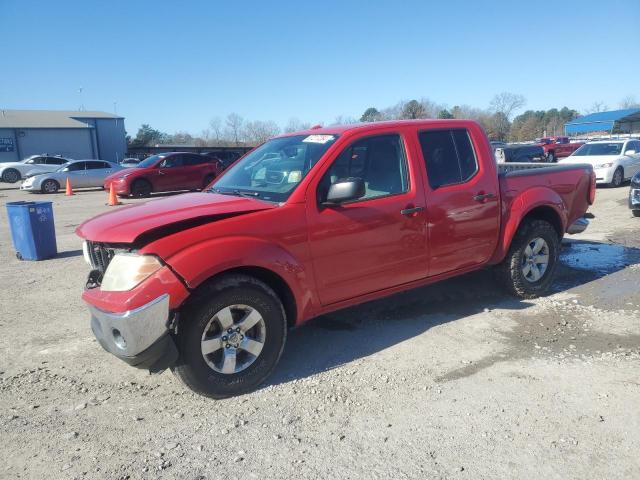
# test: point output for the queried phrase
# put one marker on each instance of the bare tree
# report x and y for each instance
(215, 124)
(258, 131)
(413, 109)
(596, 107)
(343, 120)
(234, 127)
(295, 125)
(629, 102)
(506, 103)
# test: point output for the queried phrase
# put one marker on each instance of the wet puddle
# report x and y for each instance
(599, 258)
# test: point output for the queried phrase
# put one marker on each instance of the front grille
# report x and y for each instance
(99, 255)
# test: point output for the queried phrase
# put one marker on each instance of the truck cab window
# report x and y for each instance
(449, 156)
(380, 161)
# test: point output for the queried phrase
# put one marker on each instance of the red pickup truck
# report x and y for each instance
(557, 147)
(208, 283)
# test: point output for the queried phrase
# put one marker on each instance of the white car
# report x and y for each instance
(11, 172)
(614, 161)
(81, 174)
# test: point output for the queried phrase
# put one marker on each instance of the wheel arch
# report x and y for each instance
(270, 278)
(541, 204)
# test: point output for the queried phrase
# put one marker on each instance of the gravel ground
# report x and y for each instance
(456, 380)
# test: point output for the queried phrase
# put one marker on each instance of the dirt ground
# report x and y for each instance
(456, 380)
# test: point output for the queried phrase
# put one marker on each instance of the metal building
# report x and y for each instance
(77, 135)
(611, 122)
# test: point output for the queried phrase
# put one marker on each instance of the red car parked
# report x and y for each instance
(557, 147)
(165, 172)
(208, 283)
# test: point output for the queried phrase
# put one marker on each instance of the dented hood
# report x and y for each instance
(140, 223)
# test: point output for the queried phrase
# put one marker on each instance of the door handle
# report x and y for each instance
(481, 197)
(410, 211)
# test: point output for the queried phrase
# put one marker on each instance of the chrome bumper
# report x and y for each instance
(130, 333)
(578, 226)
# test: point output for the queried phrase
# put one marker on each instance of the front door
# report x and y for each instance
(462, 201)
(171, 174)
(77, 174)
(377, 241)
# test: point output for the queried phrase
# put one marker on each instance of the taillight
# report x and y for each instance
(592, 188)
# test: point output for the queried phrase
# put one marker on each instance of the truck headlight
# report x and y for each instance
(604, 165)
(126, 270)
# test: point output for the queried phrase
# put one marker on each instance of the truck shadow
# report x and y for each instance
(341, 337)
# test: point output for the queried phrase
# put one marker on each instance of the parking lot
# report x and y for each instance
(456, 380)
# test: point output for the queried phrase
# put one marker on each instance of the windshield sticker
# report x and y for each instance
(318, 138)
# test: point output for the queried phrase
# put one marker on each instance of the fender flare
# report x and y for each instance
(541, 199)
(202, 261)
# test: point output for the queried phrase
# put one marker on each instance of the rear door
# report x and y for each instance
(172, 174)
(77, 174)
(377, 241)
(97, 171)
(196, 168)
(462, 200)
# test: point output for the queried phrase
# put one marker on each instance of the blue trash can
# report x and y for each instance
(32, 230)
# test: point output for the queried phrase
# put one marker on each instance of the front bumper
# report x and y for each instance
(139, 337)
(578, 226)
(634, 198)
(604, 175)
(31, 187)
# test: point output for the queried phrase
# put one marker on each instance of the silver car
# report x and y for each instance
(81, 174)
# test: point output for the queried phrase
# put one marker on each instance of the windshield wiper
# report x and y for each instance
(237, 193)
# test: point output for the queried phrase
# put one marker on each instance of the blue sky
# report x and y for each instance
(175, 65)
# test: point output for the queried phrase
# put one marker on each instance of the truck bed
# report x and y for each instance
(568, 181)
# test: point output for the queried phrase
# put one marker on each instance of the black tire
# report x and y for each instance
(191, 367)
(618, 177)
(551, 157)
(141, 188)
(635, 213)
(50, 186)
(11, 175)
(510, 271)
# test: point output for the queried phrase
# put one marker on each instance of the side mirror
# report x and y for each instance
(630, 152)
(344, 190)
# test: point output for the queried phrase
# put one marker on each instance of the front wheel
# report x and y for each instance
(528, 269)
(551, 157)
(141, 189)
(50, 186)
(230, 337)
(635, 213)
(11, 175)
(618, 177)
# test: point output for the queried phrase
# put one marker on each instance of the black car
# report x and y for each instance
(226, 157)
(520, 153)
(634, 195)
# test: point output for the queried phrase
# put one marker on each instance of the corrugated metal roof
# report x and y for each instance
(48, 118)
(601, 120)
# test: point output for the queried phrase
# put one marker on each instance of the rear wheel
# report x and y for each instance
(141, 189)
(11, 175)
(50, 186)
(618, 177)
(528, 269)
(636, 213)
(231, 337)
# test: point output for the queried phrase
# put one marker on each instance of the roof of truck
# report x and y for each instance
(340, 129)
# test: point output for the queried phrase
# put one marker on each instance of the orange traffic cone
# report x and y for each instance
(113, 199)
(68, 191)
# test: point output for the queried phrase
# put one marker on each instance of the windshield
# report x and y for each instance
(150, 161)
(273, 170)
(589, 149)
